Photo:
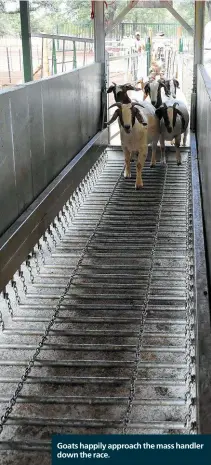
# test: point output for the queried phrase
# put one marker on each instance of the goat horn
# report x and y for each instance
(175, 104)
(138, 104)
(114, 83)
(117, 104)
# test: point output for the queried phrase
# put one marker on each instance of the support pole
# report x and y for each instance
(99, 31)
(198, 55)
(26, 40)
(99, 44)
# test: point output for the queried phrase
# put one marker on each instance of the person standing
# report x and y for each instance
(138, 47)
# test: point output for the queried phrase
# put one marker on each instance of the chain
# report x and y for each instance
(190, 310)
(28, 264)
(14, 286)
(52, 235)
(34, 256)
(32, 361)
(45, 238)
(9, 305)
(61, 224)
(143, 315)
(57, 230)
(40, 248)
(20, 272)
(1, 321)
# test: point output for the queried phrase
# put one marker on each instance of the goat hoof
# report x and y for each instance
(138, 187)
(179, 163)
(152, 165)
(127, 176)
(163, 162)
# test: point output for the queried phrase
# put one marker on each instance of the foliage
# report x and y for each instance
(46, 15)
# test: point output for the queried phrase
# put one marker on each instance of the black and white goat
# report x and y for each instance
(120, 95)
(158, 98)
(174, 120)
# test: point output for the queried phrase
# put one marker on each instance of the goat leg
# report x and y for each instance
(185, 137)
(153, 159)
(139, 166)
(162, 150)
(178, 154)
(127, 173)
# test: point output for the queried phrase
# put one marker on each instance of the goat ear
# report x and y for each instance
(163, 84)
(110, 89)
(183, 119)
(129, 87)
(146, 89)
(140, 117)
(114, 117)
(159, 112)
(176, 83)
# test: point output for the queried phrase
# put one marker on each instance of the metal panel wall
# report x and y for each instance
(204, 147)
(43, 125)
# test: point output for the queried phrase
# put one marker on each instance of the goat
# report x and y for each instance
(133, 133)
(174, 89)
(120, 92)
(174, 120)
(120, 95)
(153, 89)
(172, 86)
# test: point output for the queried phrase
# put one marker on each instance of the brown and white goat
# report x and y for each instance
(133, 134)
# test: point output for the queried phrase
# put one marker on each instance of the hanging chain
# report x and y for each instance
(57, 230)
(50, 230)
(40, 248)
(28, 264)
(144, 314)
(45, 238)
(190, 422)
(9, 305)
(20, 272)
(34, 256)
(14, 286)
(32, 361)
(1, 321)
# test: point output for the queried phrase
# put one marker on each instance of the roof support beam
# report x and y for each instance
(179, 18)
(26, 40)
(121, 16)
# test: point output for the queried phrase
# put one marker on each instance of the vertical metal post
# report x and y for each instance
(26, 40)
(8, 64)
(99, 50)
(99, 31)
(74, 56)
(198, 55)
(63, 55)
(54, 63)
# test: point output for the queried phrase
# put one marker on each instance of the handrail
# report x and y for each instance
(62, 37)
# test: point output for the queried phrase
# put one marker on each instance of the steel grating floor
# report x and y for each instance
(120, 355)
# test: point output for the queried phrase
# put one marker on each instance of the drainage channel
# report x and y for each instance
(116, 296)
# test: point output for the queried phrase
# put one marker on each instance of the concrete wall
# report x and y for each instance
(43, 125)
(204, 147)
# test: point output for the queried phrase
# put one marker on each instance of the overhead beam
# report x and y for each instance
(151, 4)
(121, 16)
(179, 18)
(26, 41)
